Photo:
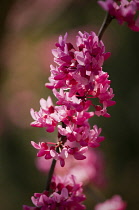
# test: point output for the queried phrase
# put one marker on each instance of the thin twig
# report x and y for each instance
(52, 168)
(50, 175)
(104, 25)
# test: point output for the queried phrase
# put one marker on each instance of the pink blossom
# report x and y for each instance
(48, 116)
(78, 153)
(115, 203)
(44, 150)
(123, 11)
(71, 102)
(66, 194)
(95, 139)
(74, 120)
(62, 153)
(50, 152)
(61, 157)
(82, 134)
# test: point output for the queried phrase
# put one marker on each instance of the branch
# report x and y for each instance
(104, 25)
(52, 168)
(50, 175)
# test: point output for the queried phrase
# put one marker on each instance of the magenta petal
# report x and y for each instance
(41, 153)
(35, 145)
(62, 162)
(79, 156)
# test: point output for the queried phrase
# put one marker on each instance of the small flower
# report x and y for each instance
(82, 134)
(71, 102)
(115, 203)
(43, 149)
(48, 116)
(60, 156)
(78, 154)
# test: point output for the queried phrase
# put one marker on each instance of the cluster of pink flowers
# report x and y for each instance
(79, 74)
(66, 194)
(123, 11)
(115, 203)
(79, 83)
(80, 78)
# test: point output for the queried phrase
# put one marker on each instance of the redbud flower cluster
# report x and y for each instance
(79, 84)
(123, 11)
(66, 194)
(76, 81)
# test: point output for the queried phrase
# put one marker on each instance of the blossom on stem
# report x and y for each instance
(43, 149)
(49, 115)
(50, 152)
(115, 203)
(82, 134)
(123, 11)
(66, 194)
(62, 154)
(71, 102)
(46, 116)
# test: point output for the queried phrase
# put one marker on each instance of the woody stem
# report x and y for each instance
(52, 168)
(105, 24)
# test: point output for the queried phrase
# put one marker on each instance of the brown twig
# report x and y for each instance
(104, 25)
(62, 140)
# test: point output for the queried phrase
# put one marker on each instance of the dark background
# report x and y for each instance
(28, 32)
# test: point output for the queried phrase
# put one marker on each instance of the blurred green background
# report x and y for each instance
(28, 32)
